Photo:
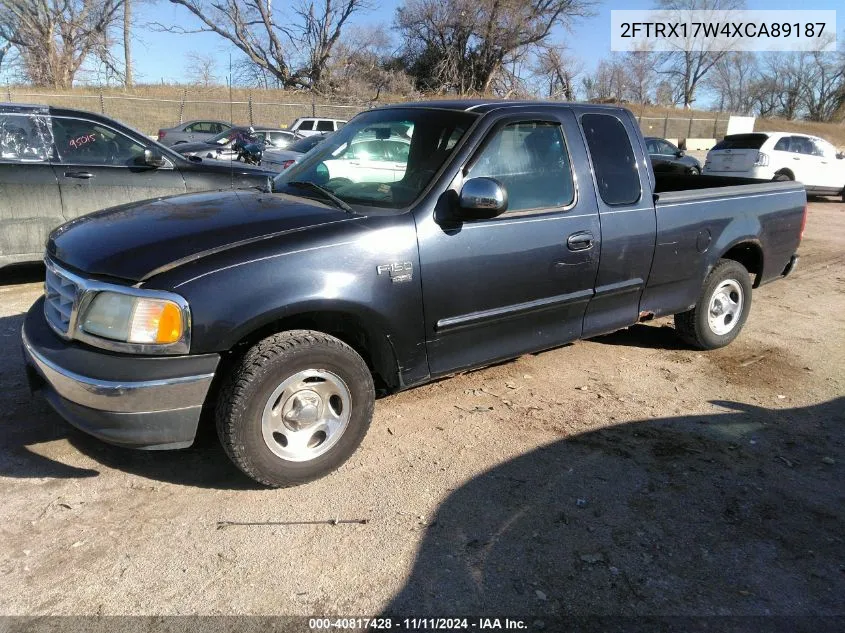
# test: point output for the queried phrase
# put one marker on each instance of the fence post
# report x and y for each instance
(689, 129)
(665, 125)
(102, 104)
(182, 104)
(249, 106)
(313, 106)
(9, 94)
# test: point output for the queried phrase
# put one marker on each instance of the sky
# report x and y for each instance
(163, 56)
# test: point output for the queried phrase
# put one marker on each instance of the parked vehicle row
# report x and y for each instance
(220, 146)
(510, 227)
(58, 164)
(202, 131)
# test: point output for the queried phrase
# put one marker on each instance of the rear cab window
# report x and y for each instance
(614, 164)
(306, 125)
(325, 126)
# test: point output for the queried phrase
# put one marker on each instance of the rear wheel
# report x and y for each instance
(295, 408)
(721, 310)
(782, 176)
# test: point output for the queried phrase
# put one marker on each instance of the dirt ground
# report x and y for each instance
(625, 475)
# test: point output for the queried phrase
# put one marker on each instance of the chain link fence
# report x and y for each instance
(682, 128)
(148, 114)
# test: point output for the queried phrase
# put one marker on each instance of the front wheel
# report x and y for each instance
(721, 310)
(295, 407)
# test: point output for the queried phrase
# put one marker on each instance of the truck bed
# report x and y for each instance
(699, 215)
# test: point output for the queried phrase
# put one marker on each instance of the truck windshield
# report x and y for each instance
(382, 158)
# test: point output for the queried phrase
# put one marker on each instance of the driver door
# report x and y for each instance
(98, 167)
(519, 282)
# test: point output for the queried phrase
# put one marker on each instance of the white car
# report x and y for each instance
(780, 156)
(308, 125)
(371, 160)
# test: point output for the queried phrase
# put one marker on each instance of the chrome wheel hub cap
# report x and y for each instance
(725, 307)
(306, 415)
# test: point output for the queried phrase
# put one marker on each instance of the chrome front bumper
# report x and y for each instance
(158, 408)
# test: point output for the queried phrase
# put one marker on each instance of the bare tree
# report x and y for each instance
(688, 68)
(55, 37)
(200, 69)
(609, 82)
(641, 74)
(462, 45)
(294, 52)
(364, 66)
(127, 43)
(824, 88)
(558, 71)
(5, 53)
(734, 80)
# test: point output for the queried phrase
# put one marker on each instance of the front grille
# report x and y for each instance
(60, 293)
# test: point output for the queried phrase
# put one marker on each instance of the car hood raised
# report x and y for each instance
(134, 240)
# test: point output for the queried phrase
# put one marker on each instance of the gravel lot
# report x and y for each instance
(623, 475)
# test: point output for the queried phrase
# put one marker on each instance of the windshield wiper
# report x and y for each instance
(304, 184)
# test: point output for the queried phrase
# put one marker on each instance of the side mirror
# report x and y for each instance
(680, 153)
(153, 158)
(482, 198)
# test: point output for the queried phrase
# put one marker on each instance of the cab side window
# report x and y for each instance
(81, 142)
(306, 125)
(25, 138)
(531, 162)
(325, 126)
(615, 167)
(667, 149)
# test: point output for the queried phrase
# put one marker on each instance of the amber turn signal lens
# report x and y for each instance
(169, 324)
(156, 321)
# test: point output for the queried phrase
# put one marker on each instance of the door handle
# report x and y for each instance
(81, 175)
(580, 241)
(796, 158)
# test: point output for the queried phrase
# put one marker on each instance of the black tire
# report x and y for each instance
(253, 380)
(693, 325)
(782, 177)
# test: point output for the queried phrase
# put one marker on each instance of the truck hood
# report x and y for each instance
(134, 240)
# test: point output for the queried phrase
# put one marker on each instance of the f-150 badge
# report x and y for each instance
(399, 271)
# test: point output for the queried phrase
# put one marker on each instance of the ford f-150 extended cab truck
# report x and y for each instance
(472, 232)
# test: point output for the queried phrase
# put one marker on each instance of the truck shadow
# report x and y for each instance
(31, 434)
(22, 273)
(646, 337)
(733, 513)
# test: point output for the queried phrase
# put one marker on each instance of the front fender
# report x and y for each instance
(331, 269)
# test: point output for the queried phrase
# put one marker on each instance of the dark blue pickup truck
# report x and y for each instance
(418, 241)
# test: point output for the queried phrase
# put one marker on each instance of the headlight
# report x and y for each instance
(135, 319)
